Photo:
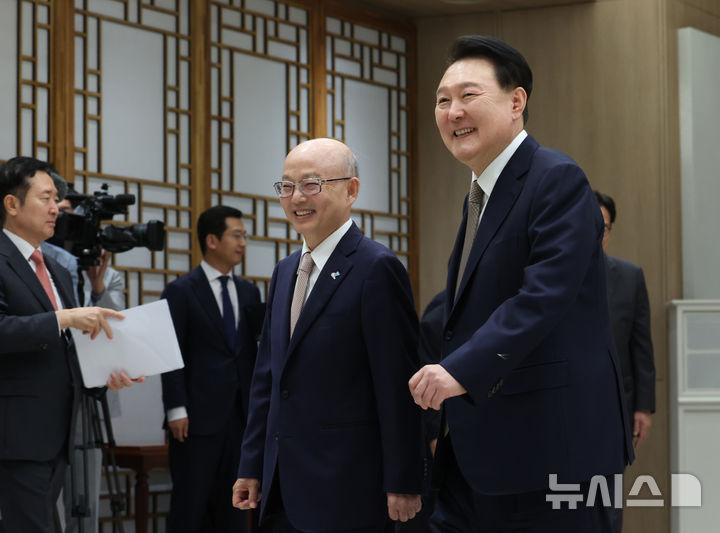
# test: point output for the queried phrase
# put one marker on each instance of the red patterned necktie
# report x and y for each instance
(43, 276)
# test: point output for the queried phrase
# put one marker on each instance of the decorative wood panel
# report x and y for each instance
(188, 104)
(132, 125)
(261, 107)
(33, 78)
(368, 108)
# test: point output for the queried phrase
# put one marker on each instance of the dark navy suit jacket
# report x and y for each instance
(528, 335)
(213, 373)
(39, 373)
(330, 410)
(630, 319)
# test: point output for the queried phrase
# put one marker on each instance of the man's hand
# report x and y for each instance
(403, 506)
(641, 426)
(88, 319)
(246, 493)
(179, 428)
(117, 381)
(96, 273)
(432, 385)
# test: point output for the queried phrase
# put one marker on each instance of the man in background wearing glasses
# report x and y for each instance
(333, 439)
(206, 402)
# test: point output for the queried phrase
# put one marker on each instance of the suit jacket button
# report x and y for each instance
(276, 436)
(284, 394)
(449, 335)
(43, 346)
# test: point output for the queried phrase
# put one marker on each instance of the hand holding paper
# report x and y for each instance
(88, 319)
(143, 344)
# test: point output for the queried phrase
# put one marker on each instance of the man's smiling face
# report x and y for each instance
(476, 118)
(317, 216)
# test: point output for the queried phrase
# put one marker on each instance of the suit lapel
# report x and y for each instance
(326, 284)
(454, 263)
(22, 268)
(240, 318)
(282, 300)
(503, 197)
(204, 294)
(64, 288)
(612, 277)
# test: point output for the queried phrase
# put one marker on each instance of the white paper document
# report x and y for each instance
(143, 344)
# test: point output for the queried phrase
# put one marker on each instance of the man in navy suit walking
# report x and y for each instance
(333, 442)
(529, 380)
(206, 402)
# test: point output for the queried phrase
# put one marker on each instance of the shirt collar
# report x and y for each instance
(24, 247)
(211, 272)
(324, 250)
(491, 174)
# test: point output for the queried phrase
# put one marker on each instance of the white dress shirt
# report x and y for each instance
(26, 249)
(491, 174)
(213, 276)
(322, 253)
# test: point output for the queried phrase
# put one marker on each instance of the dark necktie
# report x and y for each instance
(43, 276)
(228, 314)
(475, 201)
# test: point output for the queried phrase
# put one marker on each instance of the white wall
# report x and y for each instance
(699, 79)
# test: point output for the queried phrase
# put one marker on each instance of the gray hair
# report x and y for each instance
(352, 164)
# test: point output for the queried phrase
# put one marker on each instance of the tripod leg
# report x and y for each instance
(77, 503)
(112, 478)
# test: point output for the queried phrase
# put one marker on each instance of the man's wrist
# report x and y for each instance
(176, 413)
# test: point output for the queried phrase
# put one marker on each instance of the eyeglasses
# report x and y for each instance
(307, 186)
(238, 235)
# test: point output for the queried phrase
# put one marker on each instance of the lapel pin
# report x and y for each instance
(335, 275)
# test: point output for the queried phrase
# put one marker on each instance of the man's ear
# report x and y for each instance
(519, 101)
(11, 203)
(211, 241)
(353, 189)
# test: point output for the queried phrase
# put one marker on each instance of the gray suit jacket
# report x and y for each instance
(630, 318)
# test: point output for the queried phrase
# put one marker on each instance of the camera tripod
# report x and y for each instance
(96, 433)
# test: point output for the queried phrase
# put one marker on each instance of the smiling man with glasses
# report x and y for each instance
(333, 438)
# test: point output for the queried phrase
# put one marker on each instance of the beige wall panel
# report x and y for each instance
(443, 182)
(705, 7)
(601, 96)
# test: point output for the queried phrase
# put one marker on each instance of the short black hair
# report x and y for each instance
(608, 203)
(511, 68)
(15, 177)
(212, 222)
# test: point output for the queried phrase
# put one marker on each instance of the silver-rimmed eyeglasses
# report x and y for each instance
(307, 186)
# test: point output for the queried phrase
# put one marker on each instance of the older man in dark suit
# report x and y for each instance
(529, 379)
(40, 377)
(333, 435)
(214, 314)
